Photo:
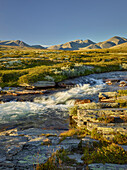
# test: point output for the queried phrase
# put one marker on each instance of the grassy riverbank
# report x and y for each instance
(24, 65)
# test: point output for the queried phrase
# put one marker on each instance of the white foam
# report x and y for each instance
(73, 93)
(17, 110)
(58, 103)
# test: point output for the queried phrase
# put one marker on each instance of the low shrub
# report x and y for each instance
(120, 139)
(73, 111)
(111, 153)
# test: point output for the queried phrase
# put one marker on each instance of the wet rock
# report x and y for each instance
(79, 101)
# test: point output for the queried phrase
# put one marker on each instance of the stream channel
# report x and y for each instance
(29, 131)
(51, 109)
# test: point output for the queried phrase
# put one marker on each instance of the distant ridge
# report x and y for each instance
(113, 42)
(72, 45)
(88, 44)
(19, 43)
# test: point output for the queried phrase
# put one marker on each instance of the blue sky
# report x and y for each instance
(58, 21)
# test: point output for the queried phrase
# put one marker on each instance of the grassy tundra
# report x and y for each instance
(26, 65)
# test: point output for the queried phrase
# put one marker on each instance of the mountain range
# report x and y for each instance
(113, 42)
(19, 43)
(88, 44)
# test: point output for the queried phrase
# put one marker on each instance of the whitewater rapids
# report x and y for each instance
(58, 102)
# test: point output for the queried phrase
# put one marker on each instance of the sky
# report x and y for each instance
(51, 22)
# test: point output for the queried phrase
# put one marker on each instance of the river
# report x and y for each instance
(56, 104)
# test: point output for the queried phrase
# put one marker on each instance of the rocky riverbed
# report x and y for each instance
(29, 129)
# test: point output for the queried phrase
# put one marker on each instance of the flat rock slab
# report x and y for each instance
(100, 166)
(70, 143)
(33, 155)
(88, 142)
(99, 105)
(24, 149)
(39, 132)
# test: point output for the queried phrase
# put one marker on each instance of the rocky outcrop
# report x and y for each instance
(106, 118)
(25, 149)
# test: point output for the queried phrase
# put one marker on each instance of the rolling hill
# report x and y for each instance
(120, 46)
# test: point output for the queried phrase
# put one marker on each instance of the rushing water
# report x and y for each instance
(88, 87)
